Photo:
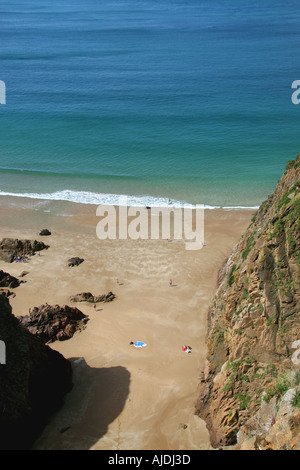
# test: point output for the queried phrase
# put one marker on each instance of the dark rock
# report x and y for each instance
(6, 292)
(6, 280)
(75, 261)
(88, 297)
(23, 273)
(45, 232)
(34, 381)
(52, 322)
(83, 297)
(11, 248)
(183, 426)
(105, 297)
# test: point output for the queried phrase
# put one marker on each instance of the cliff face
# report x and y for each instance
(249, 393)
(33, 381)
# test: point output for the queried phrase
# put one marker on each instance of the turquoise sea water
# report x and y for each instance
(182, 99)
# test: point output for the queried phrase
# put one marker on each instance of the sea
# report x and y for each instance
(188, 101)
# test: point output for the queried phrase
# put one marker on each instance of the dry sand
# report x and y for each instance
(124, 398)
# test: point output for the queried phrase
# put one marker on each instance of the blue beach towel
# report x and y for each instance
(139, 344)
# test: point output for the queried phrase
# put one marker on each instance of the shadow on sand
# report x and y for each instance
(96, 400)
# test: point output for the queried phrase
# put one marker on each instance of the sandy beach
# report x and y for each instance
(123, 398)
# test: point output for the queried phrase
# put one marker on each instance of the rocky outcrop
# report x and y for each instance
(6, 280)
(45, 232)
(276, 426)
(23, 273)
(88, 297)
(6, 292)
(34, 380)
(52, 322)
(75, 261)
(11, 248)
(249, 389)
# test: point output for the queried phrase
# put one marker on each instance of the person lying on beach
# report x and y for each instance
(18, 259)
(186, 349)
(138, 344)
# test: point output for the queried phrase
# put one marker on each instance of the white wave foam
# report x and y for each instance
(86, 197)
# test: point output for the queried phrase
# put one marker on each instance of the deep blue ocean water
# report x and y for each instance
(182, 99)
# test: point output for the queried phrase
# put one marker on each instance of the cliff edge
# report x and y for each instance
(249, 393)
(34, 380)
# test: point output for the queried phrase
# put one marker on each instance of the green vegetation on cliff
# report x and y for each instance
(257, 308)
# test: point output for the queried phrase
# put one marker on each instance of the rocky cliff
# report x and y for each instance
(249, 393)
(34, 379)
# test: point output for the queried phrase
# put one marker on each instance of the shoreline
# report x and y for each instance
(90, 198)
(124, 398)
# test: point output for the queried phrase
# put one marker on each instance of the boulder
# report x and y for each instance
(23, 273)
(52, 322)
(88, 297)
(75, 261)
(11, 248)
(83, 297)
(45, 232)
(105, 297)
(6, 292)
(6, 280)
